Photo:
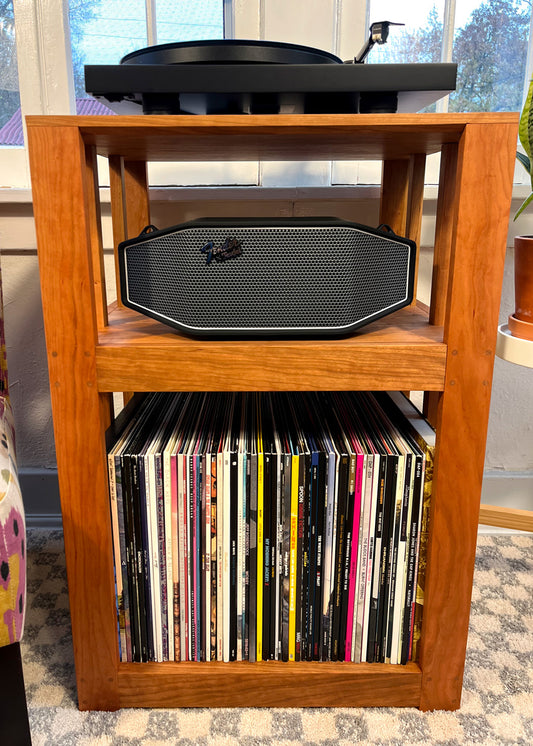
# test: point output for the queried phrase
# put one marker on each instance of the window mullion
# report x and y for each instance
(448, 30)
(247, 19)
(151, 22)
(228, 10)
(44, 57)
(352, 27)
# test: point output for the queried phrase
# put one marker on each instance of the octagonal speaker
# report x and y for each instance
(234, 277)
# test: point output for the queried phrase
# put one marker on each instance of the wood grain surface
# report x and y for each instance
(63, 210)
(146, 355)
(519, 520)
(449, 351)
(483, 188)
(269, 684)
(277, 137)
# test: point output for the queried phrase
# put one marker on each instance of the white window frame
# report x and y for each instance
(45, 72)
(46, 81)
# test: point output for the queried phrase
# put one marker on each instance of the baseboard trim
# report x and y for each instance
(502, 491)
(496, 516)
(40, 492)
(510, 489)
(52, 521)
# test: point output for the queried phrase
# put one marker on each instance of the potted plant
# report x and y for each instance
(521, 322)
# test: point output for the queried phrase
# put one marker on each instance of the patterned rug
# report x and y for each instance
(497, 703)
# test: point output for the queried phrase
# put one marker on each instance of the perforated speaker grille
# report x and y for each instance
(315, 278)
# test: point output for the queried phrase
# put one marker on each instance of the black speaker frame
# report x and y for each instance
(267, 333)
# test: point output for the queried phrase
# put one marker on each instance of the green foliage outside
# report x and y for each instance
(490, 51)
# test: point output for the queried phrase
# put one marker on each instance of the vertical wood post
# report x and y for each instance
(395, 194)
(136, 197)
(417, 170)
(130, 209)
(118, 211)
(130, 206)
(95, 230)
(444, 227)
(62, 211)
(482, 197)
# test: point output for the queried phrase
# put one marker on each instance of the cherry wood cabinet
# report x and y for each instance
(446, 350)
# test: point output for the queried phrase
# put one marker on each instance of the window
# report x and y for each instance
(487, 39)
(187, 20)
(418, 40)
(9, 85)
(490, 46)
(103, 31)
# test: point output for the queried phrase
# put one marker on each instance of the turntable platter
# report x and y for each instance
(229, 52)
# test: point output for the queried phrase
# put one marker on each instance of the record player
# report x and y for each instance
(264, 77)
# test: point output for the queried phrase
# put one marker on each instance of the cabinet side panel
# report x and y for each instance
(62, 207)
(483, 197)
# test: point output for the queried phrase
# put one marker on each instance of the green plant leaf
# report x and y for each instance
(525, 128)
(525, 134)
(524, 204)
(524, 160)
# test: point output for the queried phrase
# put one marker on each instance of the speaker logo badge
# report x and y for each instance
(230, 249)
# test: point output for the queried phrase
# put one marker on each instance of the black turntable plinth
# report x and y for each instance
(257, 77)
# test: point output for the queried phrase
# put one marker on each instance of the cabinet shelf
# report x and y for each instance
(265, 137)
(446, 351)
(267, 684)
(402, 351)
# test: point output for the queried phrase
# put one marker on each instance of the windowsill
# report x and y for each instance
(11, 197)
(14, 195)
(18, 195)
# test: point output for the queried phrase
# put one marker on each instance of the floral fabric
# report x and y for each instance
(3, 357)
(12, 524)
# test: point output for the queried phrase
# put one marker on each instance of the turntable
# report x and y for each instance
(265, 77)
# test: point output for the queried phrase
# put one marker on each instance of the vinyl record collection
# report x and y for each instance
(270, 526)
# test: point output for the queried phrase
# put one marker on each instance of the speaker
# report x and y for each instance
(293, 277)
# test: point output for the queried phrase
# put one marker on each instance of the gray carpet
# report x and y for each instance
(497, 703)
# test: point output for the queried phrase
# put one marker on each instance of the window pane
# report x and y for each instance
(103, 32)
(418, 41)
(490, 48)
(10, 119)
(189, 20)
